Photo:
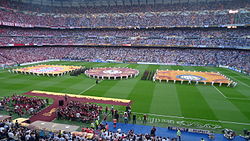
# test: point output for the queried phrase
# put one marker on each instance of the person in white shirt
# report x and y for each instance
(27, 137)
(78, 115)
(2, 129)
(10, 134)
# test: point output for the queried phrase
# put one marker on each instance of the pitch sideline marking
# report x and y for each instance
(229, 97)
(236, 78)
(240, 81)
(220, 92)
(238, 74)
(3, 71)
(232, 122)
(89, 87)
(238, 98)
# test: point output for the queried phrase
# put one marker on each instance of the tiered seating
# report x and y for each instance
(178, 16)
(79, 111)
(22, 104)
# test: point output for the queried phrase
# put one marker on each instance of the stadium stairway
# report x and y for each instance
(48, 114)
(165, 132)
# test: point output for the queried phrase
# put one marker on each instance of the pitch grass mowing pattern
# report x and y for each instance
(185, 105)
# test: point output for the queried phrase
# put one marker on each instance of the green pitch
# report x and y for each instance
(167, 104)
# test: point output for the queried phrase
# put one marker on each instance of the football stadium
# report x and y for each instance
(124, 70)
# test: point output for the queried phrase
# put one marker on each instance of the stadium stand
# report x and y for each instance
(22, 55)
(216, 38)
(153, 17)
(22, 104)
(79, 112)
(204, 57)
(200, 34)
(13, 131)
(209, 5)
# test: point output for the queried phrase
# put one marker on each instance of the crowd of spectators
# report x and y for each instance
(235, 58)
(182, 56)
(73, 110)
(129, 41)
(12, 131)
(184, 17)
(173, 19)
(4, 60)
(229, 38)
(192, 6)
(77, 111)
(22, 105)
(173, 32)
(24, 55)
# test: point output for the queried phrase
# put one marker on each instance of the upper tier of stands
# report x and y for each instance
(167, 7)
(204, 14)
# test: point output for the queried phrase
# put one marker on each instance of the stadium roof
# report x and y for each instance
(85, 3)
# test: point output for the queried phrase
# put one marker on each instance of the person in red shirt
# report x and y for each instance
(106, 127)
(106, 110)
(114, 122)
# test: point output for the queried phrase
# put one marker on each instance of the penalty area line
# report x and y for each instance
(230, 98)
(89, 88)
(220, 92)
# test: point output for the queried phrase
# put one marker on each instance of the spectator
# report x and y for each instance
(178, 133)
(144, 118)
(134, 119)
(153, 130)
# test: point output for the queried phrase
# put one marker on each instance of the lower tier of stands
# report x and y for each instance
(233, 58)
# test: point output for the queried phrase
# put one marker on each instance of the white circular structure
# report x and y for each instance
(112, 73)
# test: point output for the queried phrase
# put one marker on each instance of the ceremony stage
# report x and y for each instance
(49, 113)
(81, 98)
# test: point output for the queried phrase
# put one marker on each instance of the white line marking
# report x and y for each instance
(237, 74)
(220, 92)
(232, 98)
(238, 98)
(3, 71)
(95, 84)
(160, 115)
(235, 78)
(200, 119)
(89, 87)
(240, 81)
